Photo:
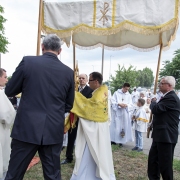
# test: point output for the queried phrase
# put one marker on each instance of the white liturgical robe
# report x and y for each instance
(93, 150)
(135, 96)
(141, 120)
(7, 115)
(121, 118)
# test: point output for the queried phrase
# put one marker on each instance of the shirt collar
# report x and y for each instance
(166, 93)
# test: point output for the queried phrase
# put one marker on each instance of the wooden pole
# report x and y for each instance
(39, 28)
(74, 57)
(102, 67)
(158, 67)
(155, 85)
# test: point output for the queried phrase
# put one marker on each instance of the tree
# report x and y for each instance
(3, 40)
(172, 68)
(145, 77)
(9, 77)
(124, 75)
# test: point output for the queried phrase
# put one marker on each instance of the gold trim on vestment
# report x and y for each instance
(142, 119)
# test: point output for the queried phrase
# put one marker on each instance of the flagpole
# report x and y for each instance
(74, 56)
(39, 28)
(102, 66)
(156, 84)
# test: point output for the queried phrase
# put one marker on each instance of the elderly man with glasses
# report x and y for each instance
(165, 131)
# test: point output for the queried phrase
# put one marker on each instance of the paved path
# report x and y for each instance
(147, 145)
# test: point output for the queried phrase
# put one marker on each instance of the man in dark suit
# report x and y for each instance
(165, 131)
(47, 87)
(87, 92)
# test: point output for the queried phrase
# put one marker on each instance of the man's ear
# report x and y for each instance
(42, 47)
(59, 51)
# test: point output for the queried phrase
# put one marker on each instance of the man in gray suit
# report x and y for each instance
(47, 87)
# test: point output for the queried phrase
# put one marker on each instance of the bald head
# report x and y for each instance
(83, 79)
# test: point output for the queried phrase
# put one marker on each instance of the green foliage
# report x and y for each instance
(3, 40)
(172, 68)
(124, 75)
(143, 78)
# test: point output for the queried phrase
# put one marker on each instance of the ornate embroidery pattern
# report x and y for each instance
(104, 11)
(105, 102)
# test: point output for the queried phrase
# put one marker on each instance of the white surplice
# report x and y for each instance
(148, 110)
(7, 115)
(135, 97)
(140, 116)
(121, 117)
(96, 136)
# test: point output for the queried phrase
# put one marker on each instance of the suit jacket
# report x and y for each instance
(47, 87)
(87, 92)
(166, 118)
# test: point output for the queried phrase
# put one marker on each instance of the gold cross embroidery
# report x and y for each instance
(104, 11)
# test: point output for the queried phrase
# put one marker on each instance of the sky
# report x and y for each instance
(21, 30)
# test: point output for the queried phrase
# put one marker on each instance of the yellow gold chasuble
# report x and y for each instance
(94, 108)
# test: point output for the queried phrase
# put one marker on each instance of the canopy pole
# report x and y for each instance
(74, 56)
(39, 28)
(102, 67)
(158, 67)
(155, 85)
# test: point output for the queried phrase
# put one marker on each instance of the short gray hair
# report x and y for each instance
(170, 80)
(52, 42)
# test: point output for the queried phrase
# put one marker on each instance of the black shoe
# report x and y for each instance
(139, 150)
(66, 161)
(135, 149)
(120, 145)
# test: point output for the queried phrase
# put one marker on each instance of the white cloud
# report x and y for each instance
(21, 31)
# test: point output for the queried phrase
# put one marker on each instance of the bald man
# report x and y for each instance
(87, 92)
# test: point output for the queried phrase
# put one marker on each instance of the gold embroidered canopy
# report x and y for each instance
(140, 24)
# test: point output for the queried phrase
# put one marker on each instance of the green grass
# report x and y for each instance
(128, 165)
(176, 165)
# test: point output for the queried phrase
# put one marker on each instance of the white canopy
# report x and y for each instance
(140, 24)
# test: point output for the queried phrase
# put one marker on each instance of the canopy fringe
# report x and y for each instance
(108, 31)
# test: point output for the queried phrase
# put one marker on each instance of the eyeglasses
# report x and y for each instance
(162, 83)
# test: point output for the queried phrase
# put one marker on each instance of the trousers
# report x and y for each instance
(160, 161)
(22, 154)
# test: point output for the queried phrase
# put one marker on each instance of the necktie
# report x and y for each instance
(80, 88)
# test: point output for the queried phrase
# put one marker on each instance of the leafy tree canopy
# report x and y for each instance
(143, 78)
(3, 40)
(172, 68)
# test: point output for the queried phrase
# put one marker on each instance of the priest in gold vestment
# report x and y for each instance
(93, 148)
